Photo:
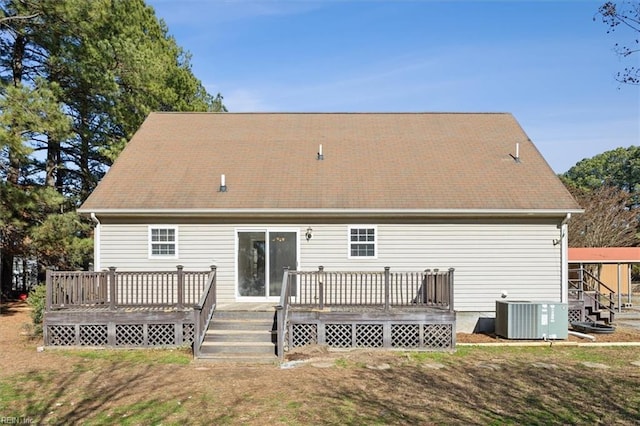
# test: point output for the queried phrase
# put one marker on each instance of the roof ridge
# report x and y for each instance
(336, 113)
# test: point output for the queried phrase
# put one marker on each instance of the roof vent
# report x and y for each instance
(517, 156)
(320, 154)
(223, 183)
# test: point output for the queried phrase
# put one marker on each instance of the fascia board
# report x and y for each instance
(319, 213)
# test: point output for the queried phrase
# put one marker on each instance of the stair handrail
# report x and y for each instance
(597, 280)
(204, 311)
(282, 312)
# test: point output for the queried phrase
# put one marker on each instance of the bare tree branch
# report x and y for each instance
(607, 221)
(5, 19)
(627, 15)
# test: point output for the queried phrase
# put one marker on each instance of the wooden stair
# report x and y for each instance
(240, 336)
(598, 315)
(595, 314)
(598, 300)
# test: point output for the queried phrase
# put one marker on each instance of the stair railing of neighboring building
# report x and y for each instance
(585, 285)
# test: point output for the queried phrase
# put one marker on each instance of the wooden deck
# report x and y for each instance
(407, 310)
(403, 310)
(128, 309)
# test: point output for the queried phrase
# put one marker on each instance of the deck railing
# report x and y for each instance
(113, 289)
(204, 311)
(371, 289)
(386, 289)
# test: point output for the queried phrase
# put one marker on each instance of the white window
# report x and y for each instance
(362, 241)
(163, 241)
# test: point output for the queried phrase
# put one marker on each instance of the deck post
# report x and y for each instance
(281, 313)
(112, 288)
(450, 279)
(427, 294)
(49, 290)
(387, 288)
(436, 295)
(180, 300)
(197, 331)
(285, 289)
(280, 334)
(214, 271)
(320, 287)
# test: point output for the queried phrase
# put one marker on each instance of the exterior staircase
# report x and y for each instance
(598, 312)
(598, 301)
(241, 334)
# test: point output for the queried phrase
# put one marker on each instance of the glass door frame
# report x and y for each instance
(267, 230)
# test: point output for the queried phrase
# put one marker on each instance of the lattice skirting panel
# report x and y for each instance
(372, 335)
(575, 315)
(120, 335)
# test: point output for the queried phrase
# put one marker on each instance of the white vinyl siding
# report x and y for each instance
(488, 258)
(125, 247)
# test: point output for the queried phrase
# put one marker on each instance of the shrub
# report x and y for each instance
(37, 298)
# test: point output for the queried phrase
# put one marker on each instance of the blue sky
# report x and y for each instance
(547, 62)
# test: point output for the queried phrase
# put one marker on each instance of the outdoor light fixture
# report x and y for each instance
(309, 233)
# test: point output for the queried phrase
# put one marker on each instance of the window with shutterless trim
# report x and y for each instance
(163, 241)
(362, 241)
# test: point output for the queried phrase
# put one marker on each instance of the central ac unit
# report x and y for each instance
(532, 320)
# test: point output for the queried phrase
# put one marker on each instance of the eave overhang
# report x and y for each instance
(333, 213)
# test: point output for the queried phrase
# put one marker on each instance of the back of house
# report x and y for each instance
(254, 193)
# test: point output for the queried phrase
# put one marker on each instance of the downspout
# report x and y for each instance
(96, 243)
(564, 259)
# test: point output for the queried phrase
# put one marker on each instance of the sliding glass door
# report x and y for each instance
(262, 257)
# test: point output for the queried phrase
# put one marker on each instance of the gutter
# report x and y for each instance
(323, 213)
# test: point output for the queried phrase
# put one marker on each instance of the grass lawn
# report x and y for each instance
(474, 385)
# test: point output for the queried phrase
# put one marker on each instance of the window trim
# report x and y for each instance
(150, 242)
(374, 242)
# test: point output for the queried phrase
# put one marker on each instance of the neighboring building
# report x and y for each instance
(255, 192)
(611, 265)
